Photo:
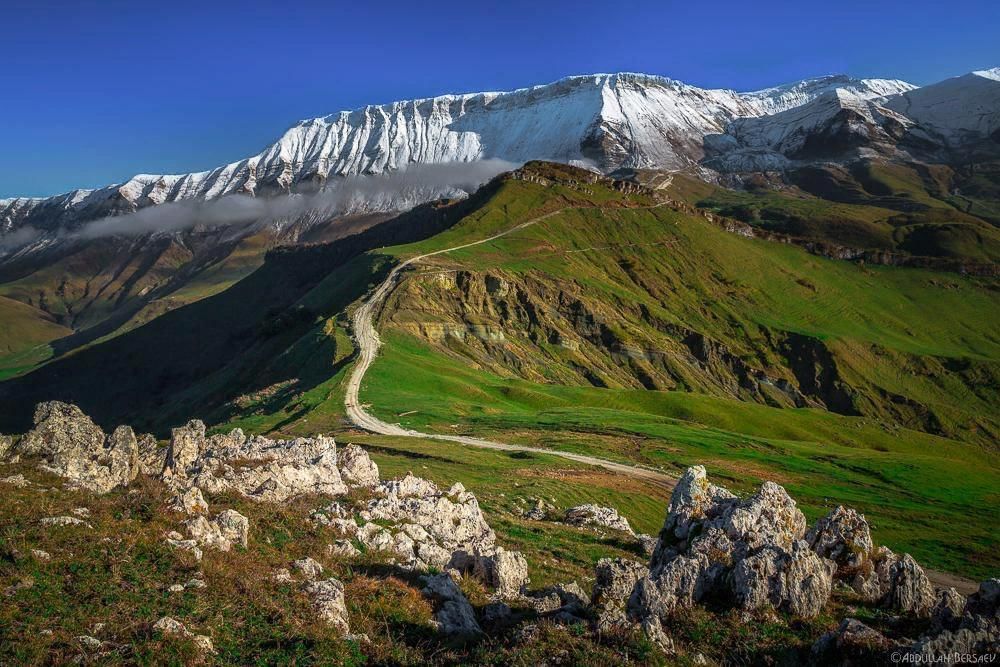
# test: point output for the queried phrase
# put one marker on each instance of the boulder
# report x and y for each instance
(947, 611)
(844, 537)
(327, 597)
(693, 501)
(910, 591)
(454, 615)
(190, 502)
(768, 518)
(647, 543)
(343, 549)
(227, 528)
(506, 571)
(152, 457)
(6, 446)
(595, 515)
(356, 467)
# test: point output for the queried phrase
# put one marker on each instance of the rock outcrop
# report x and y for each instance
(749, 550)
(71, 445)
(973, 631)
(447, 529)
(259, 468)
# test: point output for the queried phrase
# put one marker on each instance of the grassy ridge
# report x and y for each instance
(882, 323)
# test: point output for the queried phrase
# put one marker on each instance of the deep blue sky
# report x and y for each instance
(93, 92)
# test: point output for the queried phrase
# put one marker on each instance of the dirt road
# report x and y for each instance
(368, 341)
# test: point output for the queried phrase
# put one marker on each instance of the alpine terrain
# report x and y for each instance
(610, 370)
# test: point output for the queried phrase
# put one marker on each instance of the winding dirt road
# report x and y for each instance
(368, 341)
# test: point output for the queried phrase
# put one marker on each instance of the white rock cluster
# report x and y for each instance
(757, 553)
(71, 445)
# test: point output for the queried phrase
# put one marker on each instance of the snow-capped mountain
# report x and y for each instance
(959, 115)
(607, 120)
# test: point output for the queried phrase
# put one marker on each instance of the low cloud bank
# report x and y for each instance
(338, 196)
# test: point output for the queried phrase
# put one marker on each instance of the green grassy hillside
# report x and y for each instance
(622, 326)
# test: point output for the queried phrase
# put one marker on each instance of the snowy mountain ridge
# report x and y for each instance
(607, 120)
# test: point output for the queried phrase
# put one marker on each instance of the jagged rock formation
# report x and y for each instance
(71, 445)
(756, 553)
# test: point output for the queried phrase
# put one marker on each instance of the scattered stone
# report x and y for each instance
(595, 515)
(356, 467)
(20, 585)
(454, 615)
(17, 480)
(171, 627)
(540, 511)
(64, 521)
(176, 588)
(195, 583)
(82, 512)
(43, 556)
(308, 568)
(328, 600)
(282, 576)
(89, 643)
(343, 549)
(177, 541)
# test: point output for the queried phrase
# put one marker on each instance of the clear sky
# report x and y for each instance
(93, 92)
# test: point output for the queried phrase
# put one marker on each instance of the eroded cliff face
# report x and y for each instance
(544, 329)
(549, 330)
